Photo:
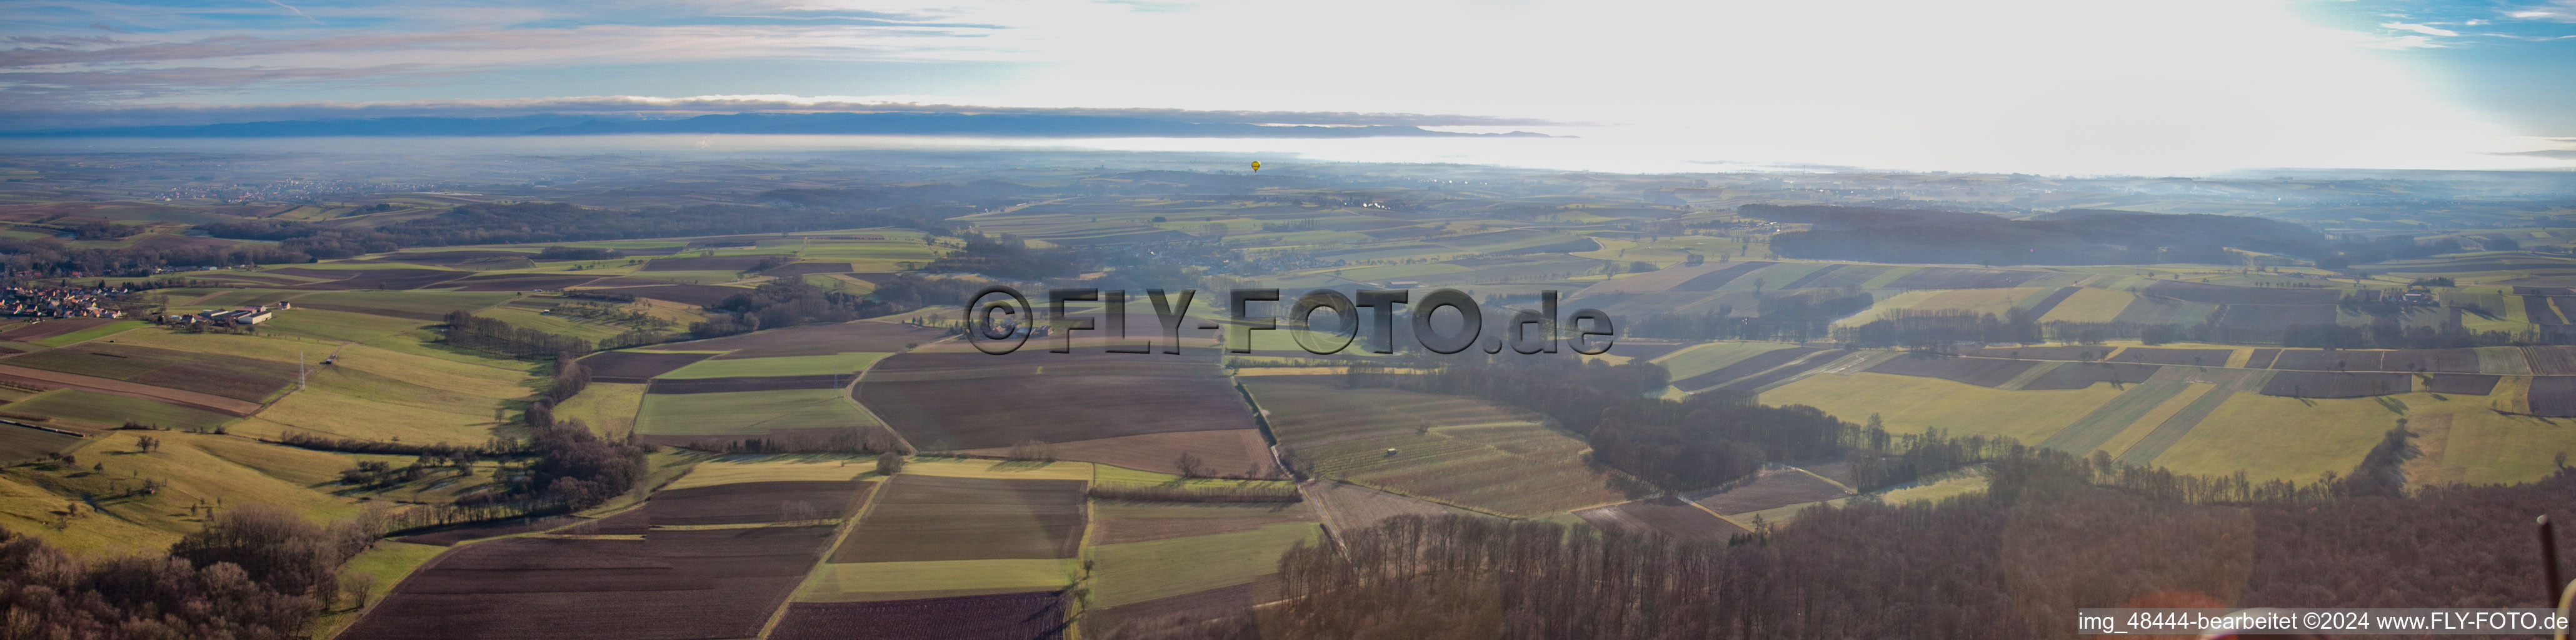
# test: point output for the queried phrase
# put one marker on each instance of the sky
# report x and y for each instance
(2040, 86)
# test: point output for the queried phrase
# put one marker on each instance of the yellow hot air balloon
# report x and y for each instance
(1256, 166)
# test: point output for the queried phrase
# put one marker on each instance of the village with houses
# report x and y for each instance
(59, 301)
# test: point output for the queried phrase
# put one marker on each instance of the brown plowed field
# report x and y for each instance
(56, 380)
(1351, 507)
(2463, 384)
(1231, 452)
(2079, 375)
(807, 268)
(1749, 366)
(2551, 361)
(750, 502)
(2443, 360)
(389, 279)
(1983, 372)
(2152, 355)
(2539, 310)
(50, 328)
(521, 282)
(816, 339)
(233, 377)
(2041, 353)
(1712, 280)
(671, 585)
(749, 383)
(2554, 396)
(1038, 615)
(704, 295)
(2041, 308)
(1749, 385)
(2328, 384)
(1137, 619)
(936, 518)
(1771, 489)
(708, 263)
(1057, 406)
(790, 438)
(636, 366)
(451, 258)
(497, 529)
(1668, 516)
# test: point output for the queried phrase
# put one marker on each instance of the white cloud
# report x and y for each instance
(2554, 11)
(2426, 30)
(2398, 42)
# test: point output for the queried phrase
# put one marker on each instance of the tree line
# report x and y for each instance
(1939, 330)
(2012, 563)
(253, 573)
(1791, 317)
(786, 302)
(1679, 445)
(466, 330)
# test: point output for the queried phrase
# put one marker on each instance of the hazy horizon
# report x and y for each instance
(2189, 88)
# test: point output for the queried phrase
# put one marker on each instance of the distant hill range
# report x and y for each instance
(2071, 237)
(910, 124)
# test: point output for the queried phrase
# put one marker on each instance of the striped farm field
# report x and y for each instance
(112, 410)
(879, 581)
(2108, 421)
(836, 363)
(2091, 305)
(1139, 571)
(746, 412)
(1911, 405)
(1713, 356)
(1451, 449)
(2272, 437)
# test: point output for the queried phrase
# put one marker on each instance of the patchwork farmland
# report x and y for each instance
(753, 424)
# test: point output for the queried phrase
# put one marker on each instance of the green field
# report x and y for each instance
(328, 325)
(92, 333)
(389, 562)
(608, 407)
(525, 318)
(1713, 356)
(2113, 418)
(382, 394)
(1912, 404)
(837, 363)
(20, 443)
(112, 410)
(2296, 439)
(873, 581)
(1140, 571)
(747, 412)
(1115, 475)
(419, 305)
(193, 472)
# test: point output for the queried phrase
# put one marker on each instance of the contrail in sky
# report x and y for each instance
(298, 12)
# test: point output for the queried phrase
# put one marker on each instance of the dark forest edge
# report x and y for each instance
(2054, 533)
